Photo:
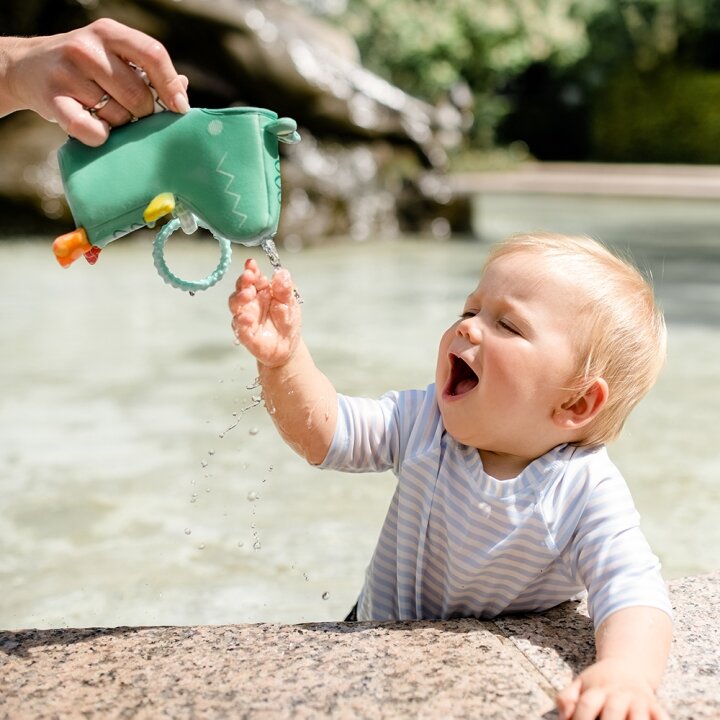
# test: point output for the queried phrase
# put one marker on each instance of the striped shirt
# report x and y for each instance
(456, 542)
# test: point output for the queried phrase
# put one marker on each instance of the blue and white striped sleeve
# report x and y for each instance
(612, 557)
(366, 435)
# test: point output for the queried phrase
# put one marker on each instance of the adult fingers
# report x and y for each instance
(146, 52)
(115, 114)
(79, 123)
(125, 86)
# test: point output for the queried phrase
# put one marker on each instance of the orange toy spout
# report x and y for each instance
(69, 247)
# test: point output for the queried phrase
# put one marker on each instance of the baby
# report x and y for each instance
(506, 498)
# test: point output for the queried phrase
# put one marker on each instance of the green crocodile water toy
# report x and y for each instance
(217, 169)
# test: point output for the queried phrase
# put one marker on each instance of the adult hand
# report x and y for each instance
(63, 77)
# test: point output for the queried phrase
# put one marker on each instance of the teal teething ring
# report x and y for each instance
(189, 285)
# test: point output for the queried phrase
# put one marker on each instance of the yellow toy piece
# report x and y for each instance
(69, 247)
(160, 205)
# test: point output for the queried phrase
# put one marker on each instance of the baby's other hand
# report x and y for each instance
(266, 315)
(610, 689)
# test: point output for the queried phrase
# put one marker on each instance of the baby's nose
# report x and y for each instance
(471, 329)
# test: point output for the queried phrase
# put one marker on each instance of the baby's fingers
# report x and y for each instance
(567, 698)
(251, 275)
(240, 298)
(247, 287)
(590, 705)
(282, 286)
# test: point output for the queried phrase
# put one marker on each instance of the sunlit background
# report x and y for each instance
(142, 481)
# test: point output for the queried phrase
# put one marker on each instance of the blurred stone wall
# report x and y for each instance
(368, 148)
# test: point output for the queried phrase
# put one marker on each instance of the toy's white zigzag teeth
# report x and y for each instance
(227, 191)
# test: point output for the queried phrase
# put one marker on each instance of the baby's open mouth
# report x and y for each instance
(462, 377)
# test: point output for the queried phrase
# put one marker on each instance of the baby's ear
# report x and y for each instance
(580, 410)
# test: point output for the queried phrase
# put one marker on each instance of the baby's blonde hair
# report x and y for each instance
(621, 331)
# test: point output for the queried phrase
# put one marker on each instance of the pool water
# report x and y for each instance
(144, 484)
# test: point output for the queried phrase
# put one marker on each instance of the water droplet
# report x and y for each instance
(203, 463)
(201, 546)
(252, 496)
(241, 543)
(305, 575)
(253, 431)
(191, 293)
(211, 451)
(325, 595)
(192, 500)
(256, 545)
(221, 435)
(188, 531)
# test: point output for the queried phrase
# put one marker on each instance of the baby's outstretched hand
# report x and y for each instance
(266, 315)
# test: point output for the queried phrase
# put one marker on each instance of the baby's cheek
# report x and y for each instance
(508, 370)
(442, 369)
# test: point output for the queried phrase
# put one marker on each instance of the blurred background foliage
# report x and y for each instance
(615, 80)
(611, 80)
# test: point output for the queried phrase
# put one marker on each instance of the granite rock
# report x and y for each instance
(507, 668)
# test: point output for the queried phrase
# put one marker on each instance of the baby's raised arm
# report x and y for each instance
(300, 399)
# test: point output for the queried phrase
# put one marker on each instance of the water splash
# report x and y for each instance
(268, 245)
(254, 402)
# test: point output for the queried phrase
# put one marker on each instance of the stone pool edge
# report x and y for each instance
(507, 668)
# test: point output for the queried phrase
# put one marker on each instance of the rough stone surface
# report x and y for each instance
(509, 668)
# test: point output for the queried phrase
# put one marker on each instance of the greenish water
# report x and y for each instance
(143, 485)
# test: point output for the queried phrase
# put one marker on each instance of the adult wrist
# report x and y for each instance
(10, 50)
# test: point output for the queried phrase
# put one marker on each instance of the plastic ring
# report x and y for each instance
(188, 285)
